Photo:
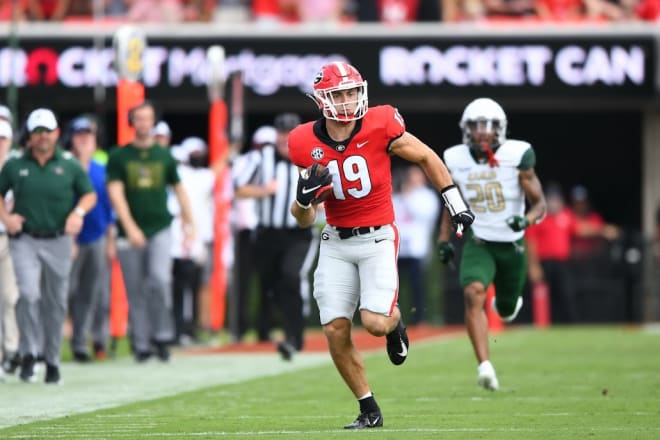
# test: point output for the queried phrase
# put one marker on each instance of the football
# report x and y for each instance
(324, 194)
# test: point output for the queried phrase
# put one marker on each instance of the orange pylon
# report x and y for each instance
(495, 324)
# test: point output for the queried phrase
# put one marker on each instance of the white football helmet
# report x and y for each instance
(340, 76)
(488, 115)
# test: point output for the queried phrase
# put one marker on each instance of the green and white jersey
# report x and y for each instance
(493, 193)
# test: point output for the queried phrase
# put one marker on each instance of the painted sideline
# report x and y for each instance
(87, 388)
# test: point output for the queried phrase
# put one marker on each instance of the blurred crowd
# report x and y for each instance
(331, 11)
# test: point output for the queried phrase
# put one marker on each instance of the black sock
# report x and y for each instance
(368, 405)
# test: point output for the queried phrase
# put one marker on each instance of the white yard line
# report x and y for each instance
(86, 388)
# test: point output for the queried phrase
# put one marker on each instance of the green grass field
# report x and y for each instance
(564, 383)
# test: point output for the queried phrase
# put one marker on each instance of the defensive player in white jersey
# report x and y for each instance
(496, 175)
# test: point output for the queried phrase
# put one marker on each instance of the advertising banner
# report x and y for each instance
(411, 68)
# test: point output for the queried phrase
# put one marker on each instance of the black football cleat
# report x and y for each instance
(366, 420)
(11, 363)
(27, 368)
(52, 374)
(397, 344)
(286, 350)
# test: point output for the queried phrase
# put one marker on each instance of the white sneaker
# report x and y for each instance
(512, 316)
(486, 377)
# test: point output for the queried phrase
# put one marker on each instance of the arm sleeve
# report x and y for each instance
(171, 167)
(528, 160)
(114, 170)
(395, 125)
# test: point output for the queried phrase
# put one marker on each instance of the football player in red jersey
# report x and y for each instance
(359, 246)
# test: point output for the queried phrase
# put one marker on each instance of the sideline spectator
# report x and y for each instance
(398, 11)
(42, 225)
(89, 290)
(560, 10)
(8, 289)
(162, 134)
(298, 11)
(611, 10)
(189, 265)
(549, 246)
(161, 11)
(591, 229)
(416, 209)
(507, 9)
(13, 10)
(138, 175)
(47, 10)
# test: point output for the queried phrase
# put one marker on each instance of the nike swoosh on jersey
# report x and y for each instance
(378, 240)
(362, 144)
(404, 349)
(309, 190)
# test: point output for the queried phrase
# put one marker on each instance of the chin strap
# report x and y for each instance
(492, 161)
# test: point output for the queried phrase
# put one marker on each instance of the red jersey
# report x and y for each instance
(360, 166)
(553, 235)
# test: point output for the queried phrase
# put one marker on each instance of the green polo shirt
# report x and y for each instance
(146, 174)
(44, 195)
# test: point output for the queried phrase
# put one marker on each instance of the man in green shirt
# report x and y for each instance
(52, 194)
(138, 175)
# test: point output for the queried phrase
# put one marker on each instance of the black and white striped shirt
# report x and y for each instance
(259, 168)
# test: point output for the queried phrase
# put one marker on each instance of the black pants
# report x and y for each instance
(245, 268)
(414, 269)
(280, 255)
(186, 280)
(563, 305)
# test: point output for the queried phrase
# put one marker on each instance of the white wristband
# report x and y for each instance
(303, 206)
(79, 211)
(453, 200)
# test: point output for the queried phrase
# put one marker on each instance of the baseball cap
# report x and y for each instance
(5, 129)
(286, 121)
(179, 153)
(194, 144)
(41, 117)
(82, 123)
(265, 134)
(5, 113)
(162, 129)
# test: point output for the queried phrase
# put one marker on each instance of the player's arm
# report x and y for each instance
(120, 205)
(304, 216)
(408, 147)
(534, 193)
(444, 248)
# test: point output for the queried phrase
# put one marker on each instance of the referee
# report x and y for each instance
(285, 252)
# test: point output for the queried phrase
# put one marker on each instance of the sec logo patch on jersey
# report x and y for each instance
(317, 153)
